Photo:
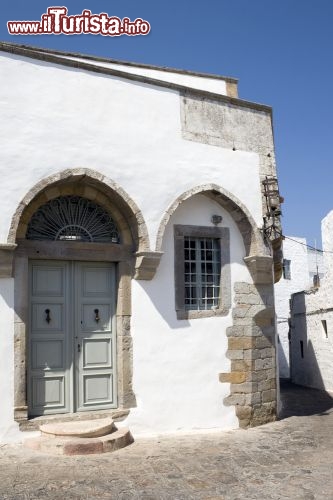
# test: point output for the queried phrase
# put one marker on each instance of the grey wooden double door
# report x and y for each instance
(72, 337)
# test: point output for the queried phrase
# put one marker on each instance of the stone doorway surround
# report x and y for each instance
(132, 257)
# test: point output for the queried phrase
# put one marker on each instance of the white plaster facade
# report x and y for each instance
(60, 120)
(312, 323)
(296, 252)
(305, 263)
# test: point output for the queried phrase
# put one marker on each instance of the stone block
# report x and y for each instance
(257, 376)
(261, 268)
(264, 385)
(247, 321)
(253, 399)
(242, 365)
(263, 414)
(268, 396)
(234, 399)
(244, 388)
(271, 373)
(235, 354)
(253, 354)
(239, 331)
(241, 342)
(247, 299)
(268, 352)
(241, 311)
(233, 377)
(243, 412)
(263, 341)
(264, 364)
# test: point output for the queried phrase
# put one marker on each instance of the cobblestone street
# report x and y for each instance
(291, 458)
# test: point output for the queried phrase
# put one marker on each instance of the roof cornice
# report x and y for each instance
(59, 58)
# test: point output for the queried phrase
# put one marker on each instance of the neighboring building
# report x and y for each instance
(300, 265)
(312, 324)
(134, 275)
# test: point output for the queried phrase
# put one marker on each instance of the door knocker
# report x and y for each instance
(97, 318)
(48, 317)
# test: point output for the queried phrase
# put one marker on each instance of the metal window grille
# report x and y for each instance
(72, 218)
(287, 269)
(202, 261)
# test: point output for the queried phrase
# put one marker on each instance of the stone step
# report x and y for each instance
(81, 445)
(80, 429)
(34, 424)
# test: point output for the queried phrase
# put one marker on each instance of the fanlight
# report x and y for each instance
(72, 218)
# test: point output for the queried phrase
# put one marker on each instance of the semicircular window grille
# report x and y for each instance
(72, 218)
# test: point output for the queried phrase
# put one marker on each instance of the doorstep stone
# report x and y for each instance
(83, 429)
(79, 445)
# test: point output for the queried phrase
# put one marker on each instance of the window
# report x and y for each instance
(202, 271)
(287, 269)
(324, 326)
(202, 268)
(301, 344)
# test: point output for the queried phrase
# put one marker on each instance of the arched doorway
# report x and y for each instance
(72, 304)
(75, 257)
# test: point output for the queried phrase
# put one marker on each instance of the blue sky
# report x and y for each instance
(281, 51)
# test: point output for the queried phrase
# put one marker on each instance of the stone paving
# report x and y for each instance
(291, 458)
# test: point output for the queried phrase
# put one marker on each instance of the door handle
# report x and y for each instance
(97, 318)
(48, 317)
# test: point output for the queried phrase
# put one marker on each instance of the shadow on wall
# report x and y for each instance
(305, 369)
(305, 394)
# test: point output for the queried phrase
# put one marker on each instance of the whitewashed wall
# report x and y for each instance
(310, 309)
(216, 85)
(176, 363)
(66, 118)
(56, 118)
(296, 252)
(8, 428)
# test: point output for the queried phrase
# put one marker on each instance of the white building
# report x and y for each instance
(312, 324)
(300, 266)
(134, 276)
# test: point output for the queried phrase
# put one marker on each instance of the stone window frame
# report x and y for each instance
(221, 233)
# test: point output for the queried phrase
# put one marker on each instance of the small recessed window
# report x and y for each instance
(324, 327)
(301, 344)
(286, 269)
(202, 271)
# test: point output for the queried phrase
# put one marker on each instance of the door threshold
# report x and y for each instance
(34, 423)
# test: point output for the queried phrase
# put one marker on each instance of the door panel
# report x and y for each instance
(48, 393)
(72, 337)
(95, 338)
(49, 365)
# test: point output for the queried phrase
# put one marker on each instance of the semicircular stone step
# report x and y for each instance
(81, 446)
(79, 429)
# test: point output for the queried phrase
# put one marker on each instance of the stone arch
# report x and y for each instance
(252, 238)
(134, 241)
(91, 185)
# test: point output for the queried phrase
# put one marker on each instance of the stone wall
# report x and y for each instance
(251, 349)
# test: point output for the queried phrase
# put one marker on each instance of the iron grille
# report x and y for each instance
(202, 260)
(72, 218)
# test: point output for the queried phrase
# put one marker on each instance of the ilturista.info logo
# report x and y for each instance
(56, 21)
